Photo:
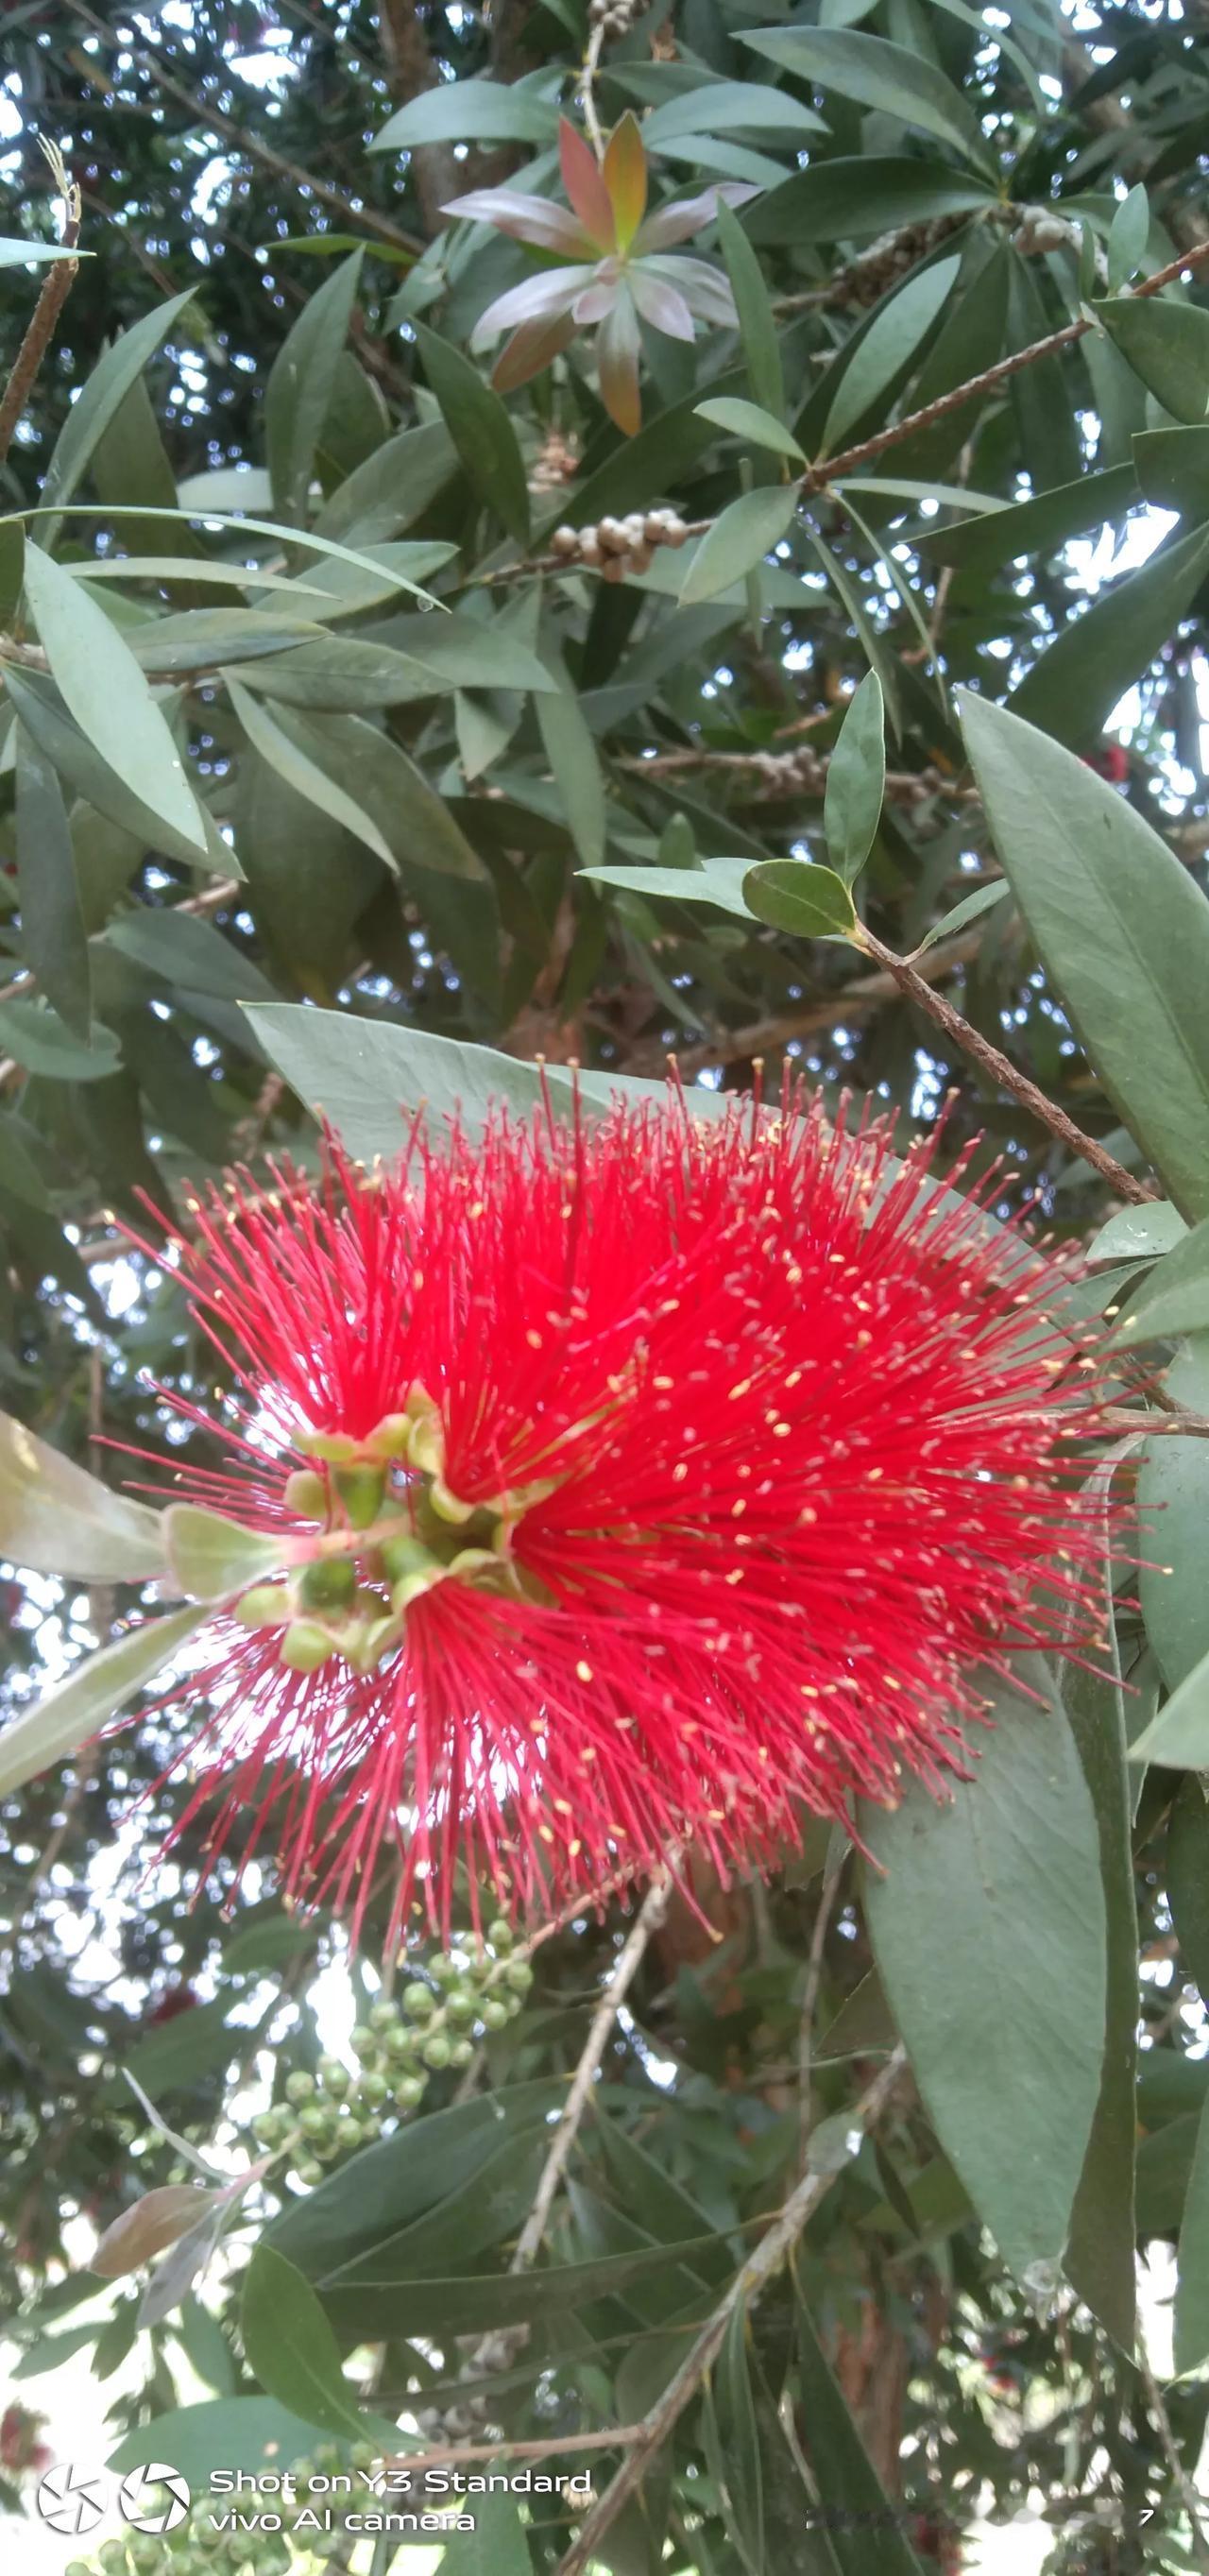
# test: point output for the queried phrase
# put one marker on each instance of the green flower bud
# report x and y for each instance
(390, 1436)
(267, 1605)
(304, 1647)
(418, 2002)
(462, 2005)
(365, 2041)
(445, 1968)
(400, 2043)
(495, 2014)
(315, 2121)
(334, 1446)
(409, 2092)
(374, 2090)
(309, 2171)
(519, 1976)
(352, 2133)
(112, 2557)
(362, 1490)
(334, 2077)
(383, 2016)
(327, 1583)
(306, 1494)
(437, 2050)
(270, 2128)
(300, 2087)
(460, 2052)
(500, 1934)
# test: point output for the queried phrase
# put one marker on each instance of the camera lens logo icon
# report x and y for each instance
(155, 2498)
(70, 2500)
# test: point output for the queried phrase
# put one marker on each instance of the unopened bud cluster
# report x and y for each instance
(461, 1997)
(617, 547)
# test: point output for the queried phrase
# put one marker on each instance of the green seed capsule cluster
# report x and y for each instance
(434, 2023)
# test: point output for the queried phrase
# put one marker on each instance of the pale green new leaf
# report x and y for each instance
(78, 1708)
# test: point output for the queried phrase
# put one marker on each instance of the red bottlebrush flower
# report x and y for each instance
(632, 1482)
(22, 2453)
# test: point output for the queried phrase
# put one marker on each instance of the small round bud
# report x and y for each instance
(634, 525)
(446, 1968)
(309, 2171)
(437, 2050)
(462, 2005)
(271, 2128)
(400, 2043)
(267, 1605)
(461, 2052)
(314, 2121)
(519, 1976)
(305, 1493)
(334, 2077)
(495, 2014)
(327, 1584)
(565, 542)
(418, 2002)
(500, 1934)
(300, 2087)
(653, 526)
(352, 2132)
(112, 2557)
(589, 547)
(304, 1647)
(614, 568)
(364, 2041)
(674, 532)
(390, 1436)
(640, 558)
(362, 1490)
(373, 2090)
(383, 2016)
(514, 2004)
(409, 2092)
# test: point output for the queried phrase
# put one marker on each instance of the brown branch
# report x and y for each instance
(611, 2437)
(1005, 1074)
(763, 1037)
(745, 2290)
(412, 72)
(56, 288)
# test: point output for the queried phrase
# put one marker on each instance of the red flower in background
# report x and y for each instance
(22, 2452)
(628, 1482)
(619, 272)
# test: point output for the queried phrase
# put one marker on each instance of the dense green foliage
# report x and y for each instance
(594, 816)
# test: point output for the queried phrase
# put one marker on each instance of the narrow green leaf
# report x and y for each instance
(178, 949)
(977, 1899)
(736, 2446)
(37, 1038)
(1128, 235)
(52, 916)
(94, 1691)
(792, 895)
(1187, 1877)
(249, 2433)
(888, 346)
(852, 199)
(903, 84)
(291, 2348)
(757, 324)
(308, 539)
(1112, 912)
(301, 382)
(294, 761)
(481, 429)
(1172, 467)
(1167, 344)
(748, 420)
(575, 765)
(1138, 1234)
(104, 790)
(856, 780)
(105, 691)
(1178, 1738)
(99, 402)
(15, 253)
(970, 908)
(847, 589)
(482, 111)
(1173, 1501)
(718, 882)
(1039, 526)
(745, 531)
(57, 1519)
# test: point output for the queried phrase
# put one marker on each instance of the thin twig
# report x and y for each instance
(648, 1919)
(832, 1873)
(612, 2437)
(1002, 1071)
(827, 1011)
(748, 2286)
(56, 288)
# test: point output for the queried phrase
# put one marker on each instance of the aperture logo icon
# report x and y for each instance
(155, 2498)
(71, 2500)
